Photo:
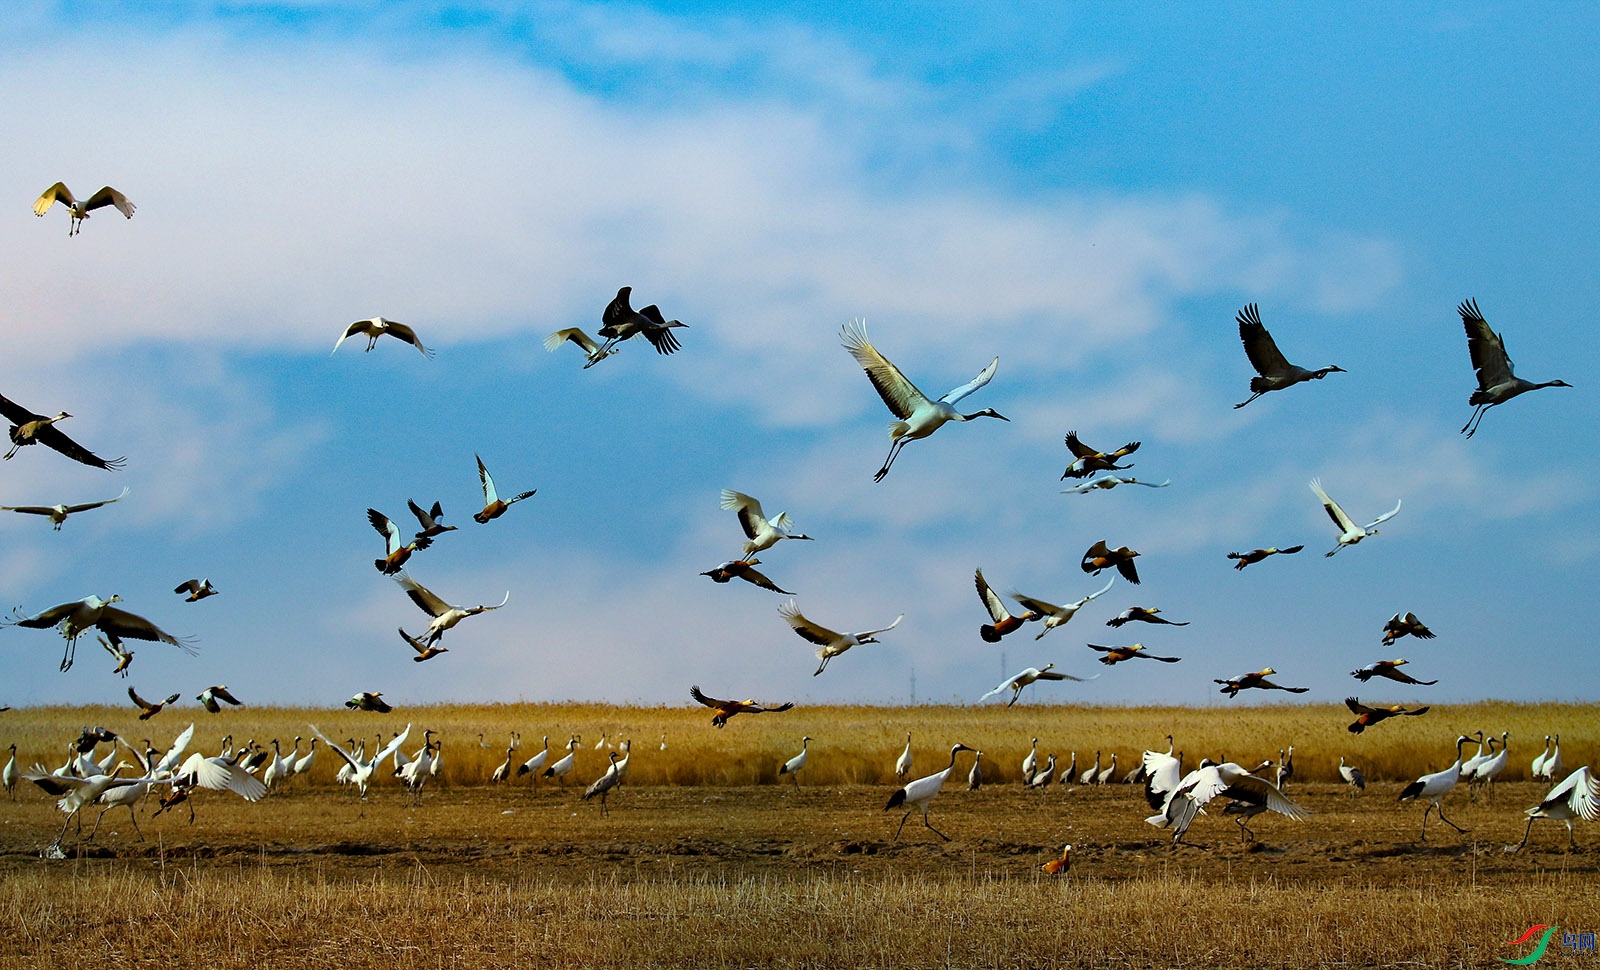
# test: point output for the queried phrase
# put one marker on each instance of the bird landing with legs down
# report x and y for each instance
(1496, 382)
(107, 196)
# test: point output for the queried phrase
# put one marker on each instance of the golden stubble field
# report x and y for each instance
(706, 859)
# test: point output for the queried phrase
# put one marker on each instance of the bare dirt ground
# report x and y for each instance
(775, 875)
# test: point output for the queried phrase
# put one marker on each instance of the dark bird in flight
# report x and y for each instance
(621, 321)
(198, 589)
(1399, 626)
(28, 428)
(1087, 460)
(1368, 716)
(1390, 669)
(1100, 557)
(741, 569)
(1115, 655)
(365, 701)
(1233, 685)
(1001, 620)
(727, 709)
(1276, 372)
(1256, 555)
(148, 710)
(209, 697)
(1142, 615)
(1496, 383)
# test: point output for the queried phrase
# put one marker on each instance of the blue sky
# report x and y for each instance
(1090, 194)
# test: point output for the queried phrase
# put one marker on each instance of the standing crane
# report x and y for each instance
(1352, 776)
(563, 767)
(604, 785)
(917, 416)
(1536, 770)
(533, 764)
(1275, 370)
(1041, 780)
(920, 793)
(1496, 382)
(793, 765)
(902, 764)
(1030, 762)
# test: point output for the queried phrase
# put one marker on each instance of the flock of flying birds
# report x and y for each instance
(1177, 796)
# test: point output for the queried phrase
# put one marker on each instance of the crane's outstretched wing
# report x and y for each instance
(421, 595)
(1335, 513)
(898, 393)
(1259, 346)
(121, 623)
(707, 701)
(1385, 516)
(57, 192)
(819, 635)
(1488, 349)
(751, 518)
(984, 376)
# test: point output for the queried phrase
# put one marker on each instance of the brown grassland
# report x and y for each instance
(707, 858)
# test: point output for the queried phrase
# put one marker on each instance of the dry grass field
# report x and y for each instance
(706, 860)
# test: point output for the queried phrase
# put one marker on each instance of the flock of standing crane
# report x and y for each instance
(1176, 796)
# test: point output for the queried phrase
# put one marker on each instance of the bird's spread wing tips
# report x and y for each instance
(1387, 515)
(984, 376)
